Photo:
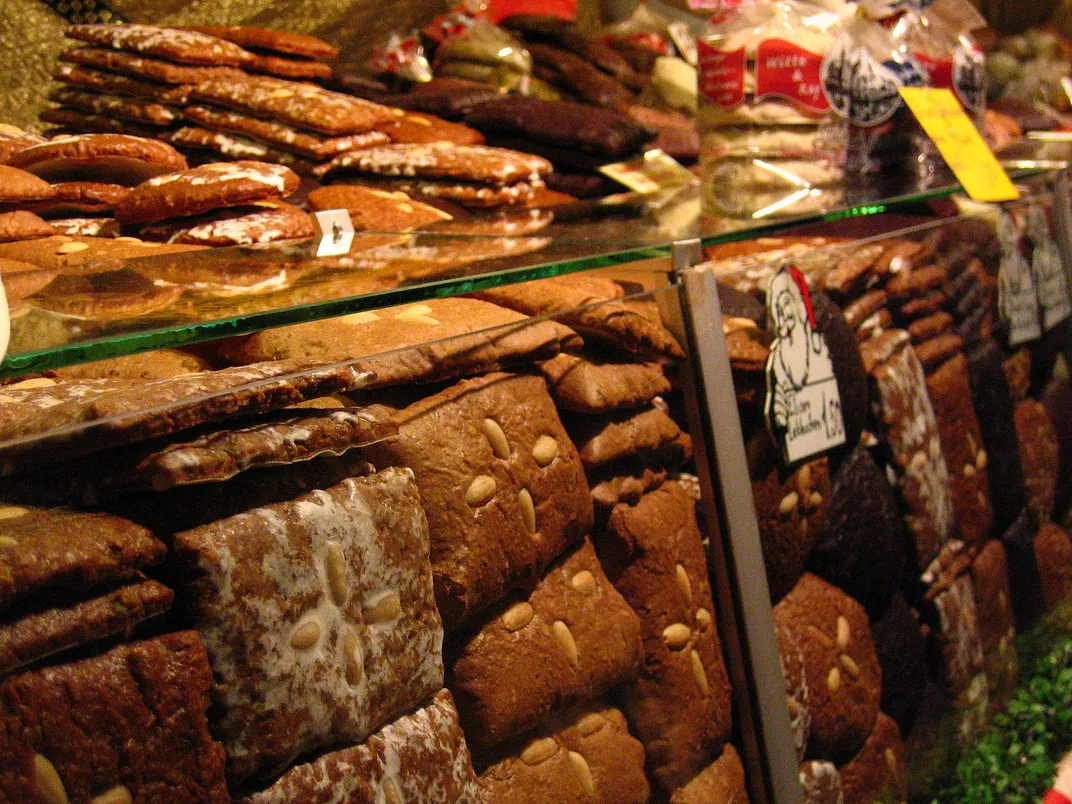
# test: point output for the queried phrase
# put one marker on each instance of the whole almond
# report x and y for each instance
(584, 773)
(565, 639)
(683, 583)
(789, 503)
(833, 679)
(305, 636)
(391, 793)
(497, 438)
(703, 618)
(335, 564)
(591, 723)
(545, 450)
(677, 636)
(844, 632)
(850, 665)
(117, 795)
(700, 674)
(49, 785)
(517, 616)
(528, 510)
(386, 608)
(980, 460)
(72, 248)
(584, 582)
(480, 491)
(353, 659)
(539, 750)
(7, 541)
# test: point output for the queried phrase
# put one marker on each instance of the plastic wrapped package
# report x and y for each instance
(771, 143)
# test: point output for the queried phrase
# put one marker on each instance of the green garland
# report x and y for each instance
(1015, 762)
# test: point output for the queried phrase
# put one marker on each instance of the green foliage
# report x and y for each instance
(1014, 763)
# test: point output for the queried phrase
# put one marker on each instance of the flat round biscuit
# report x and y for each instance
(113, 158)
(286, 42)
(22, 225)
(19, 187)
(111, 296)
(199, 190)
(376, 210)
(81, 199)
(235, 226)
(86, 227)
(185, 47)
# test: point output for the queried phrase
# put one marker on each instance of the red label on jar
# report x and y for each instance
(788, 71)
(722, 75)
(940, 71)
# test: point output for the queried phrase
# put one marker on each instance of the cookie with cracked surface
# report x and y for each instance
(571, 639)
(632, 325)
(201, 189)
(67, 727)
(501, 482)
(318, 617)
(436, 340)
(592, 384)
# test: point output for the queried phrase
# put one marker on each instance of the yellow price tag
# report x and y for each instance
(960, 144)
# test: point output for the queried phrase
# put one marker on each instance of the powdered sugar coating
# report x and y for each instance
(444, 160)
(186, 47)
(266, 573)
(912, 431)
(423, 755)
(303, 105)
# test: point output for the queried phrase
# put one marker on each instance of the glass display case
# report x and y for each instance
(549, 429)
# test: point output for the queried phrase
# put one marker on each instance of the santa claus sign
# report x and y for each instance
(803, 406)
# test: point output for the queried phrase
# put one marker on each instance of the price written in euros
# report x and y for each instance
(960, 144)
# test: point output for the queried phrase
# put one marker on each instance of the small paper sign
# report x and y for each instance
(803, 405)
(960, 144)
(1018, 302)
(651, 172)
(336, 232)
(1047, 268)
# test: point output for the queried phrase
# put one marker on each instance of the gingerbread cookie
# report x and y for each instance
(205, 146)
(571, 639)
(271, 39)
(418, 752)
(114, 158)
(839, 664)
(723, 780)
(302, 105)
(821, 782)
(583, 755)
(19, 187)
(376, 210)
(416, 343)
(22, 225)
(680, 703)
(105, 296)
(443, 161)
(879, 769)
(235, 226)
(77, 121)
(340, 580)
(518, 496)
(591, 384)
(165, 72)
(285, 67)
(136, 111)
(107, 83)
(22, 279)
(151, 694)
(184, 47)
(281, 136)
(415, 127)
(1039, 456)
(464, 194)
(645, 438)
(13, 139)
(633, 325)
(81, 198)
(1053, 551)
(198, 190)
(907, 416)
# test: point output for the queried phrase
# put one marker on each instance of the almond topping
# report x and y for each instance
(539, 750)
(49, 785)
(305, 636)
(497, 438)
(480, 491)
(584, 582)
(565, 639)
(584, 773)
(517, 616)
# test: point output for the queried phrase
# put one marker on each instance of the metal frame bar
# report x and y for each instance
(735, 555)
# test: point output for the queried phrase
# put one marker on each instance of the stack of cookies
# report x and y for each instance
(951, 420)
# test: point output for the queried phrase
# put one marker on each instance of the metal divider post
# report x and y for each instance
(735, 556)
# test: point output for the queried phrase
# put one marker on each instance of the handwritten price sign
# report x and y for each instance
(960, 144)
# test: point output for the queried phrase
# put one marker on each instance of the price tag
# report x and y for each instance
(803, 405)
(336, 232)
(651, 172)
(1018, 302)
(960, 144)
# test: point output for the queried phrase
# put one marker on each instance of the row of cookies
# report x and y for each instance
(926, 409)
(507, 507)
